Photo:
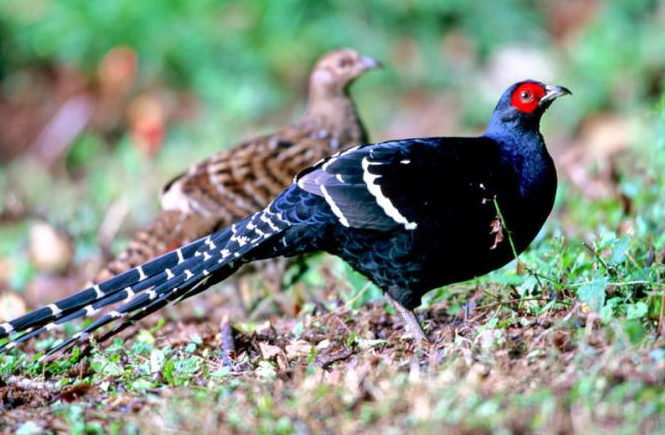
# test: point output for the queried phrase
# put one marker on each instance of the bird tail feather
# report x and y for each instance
(146, 288)
(169, 229)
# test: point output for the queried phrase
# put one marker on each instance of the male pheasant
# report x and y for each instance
(411, 215)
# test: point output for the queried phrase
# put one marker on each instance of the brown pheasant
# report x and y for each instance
(229, 185)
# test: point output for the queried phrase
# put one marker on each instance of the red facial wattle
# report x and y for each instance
(527, 96)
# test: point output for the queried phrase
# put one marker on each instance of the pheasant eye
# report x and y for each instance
(344, 62)
(527, 97)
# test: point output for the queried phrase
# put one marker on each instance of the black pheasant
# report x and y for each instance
(411, 215)
(228, 186)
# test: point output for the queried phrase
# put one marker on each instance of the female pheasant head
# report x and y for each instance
(336, 70)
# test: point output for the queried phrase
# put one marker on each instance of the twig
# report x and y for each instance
(594, 251)
(505, 227)
(327, 360)
(631, 259)
(59, 134)
(258, 309)
(29, 384)
(512, 244)
(510, 302)
(228, 343)
(343, 325)
(662, 310)
(108, 230)
(615, 284)
(356, 297)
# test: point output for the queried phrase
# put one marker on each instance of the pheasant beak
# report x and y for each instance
(552, 92)
(369, 63)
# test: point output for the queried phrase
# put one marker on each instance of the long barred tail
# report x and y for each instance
(144, 289)
(110, 291)
(168, 230)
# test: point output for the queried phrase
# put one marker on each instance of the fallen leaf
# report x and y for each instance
(270, 352)
(298, 348)
(72, 393)
(496, 228)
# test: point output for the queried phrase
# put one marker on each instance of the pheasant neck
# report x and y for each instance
(336, 115)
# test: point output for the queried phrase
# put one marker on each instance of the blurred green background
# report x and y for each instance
(101, 102)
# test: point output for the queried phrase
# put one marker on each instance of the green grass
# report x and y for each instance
(565, 343)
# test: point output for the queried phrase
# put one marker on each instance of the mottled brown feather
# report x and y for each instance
(229, 185)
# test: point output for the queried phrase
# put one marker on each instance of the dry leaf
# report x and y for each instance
(298, 348)
(497, 229)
